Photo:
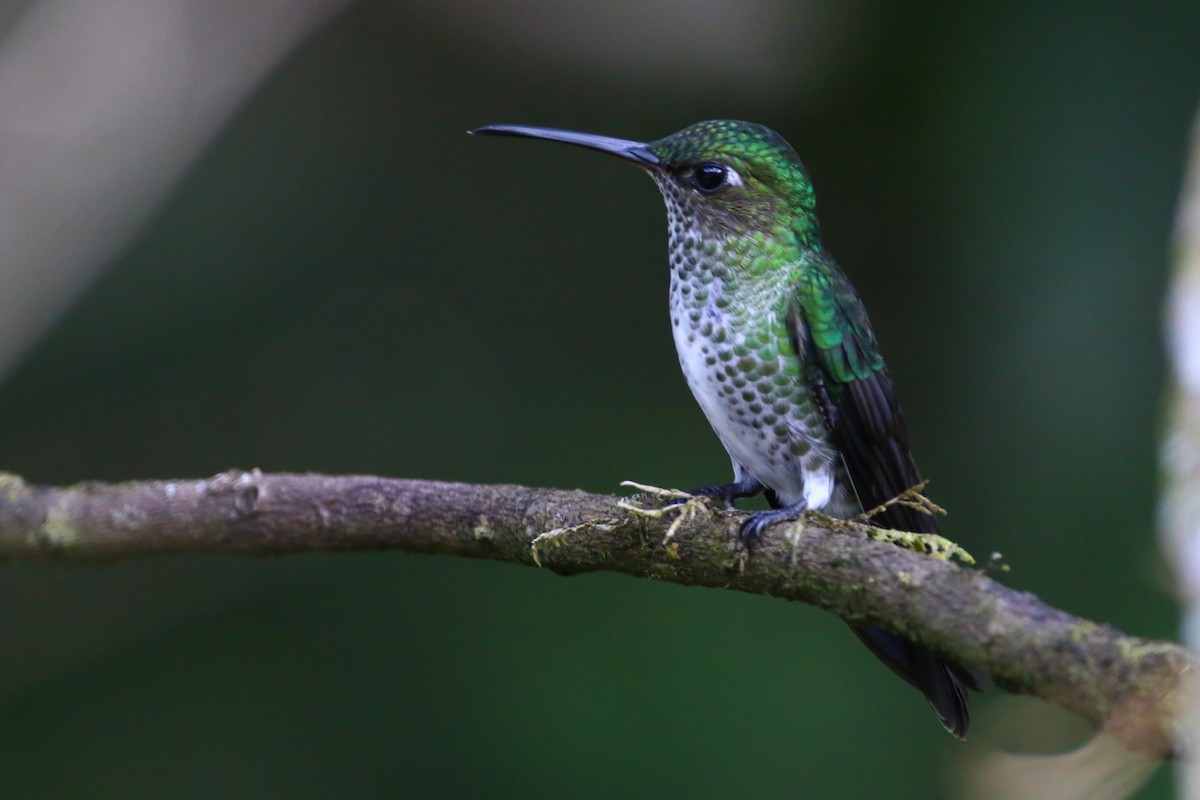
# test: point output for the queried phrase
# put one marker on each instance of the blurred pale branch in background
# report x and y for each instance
(102, 108)
(1179, 508)
(1099, 770)
(277, 306)
(1124, 686)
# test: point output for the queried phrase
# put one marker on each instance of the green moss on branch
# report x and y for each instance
(1124, 685)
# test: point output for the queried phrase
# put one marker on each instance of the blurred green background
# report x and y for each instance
(343, 281)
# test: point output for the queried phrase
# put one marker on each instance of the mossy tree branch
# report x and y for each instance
(1123, 685)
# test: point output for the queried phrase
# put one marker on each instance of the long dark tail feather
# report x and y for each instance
(944, 685)
(941, 682)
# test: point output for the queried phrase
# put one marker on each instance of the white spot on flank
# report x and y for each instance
(818, 487)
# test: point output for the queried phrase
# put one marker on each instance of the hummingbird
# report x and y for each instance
(778, 351)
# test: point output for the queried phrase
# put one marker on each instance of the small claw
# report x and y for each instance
(752, 530)
(757, 523)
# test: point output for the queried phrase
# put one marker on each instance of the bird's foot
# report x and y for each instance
(727, 493)
(755, 524)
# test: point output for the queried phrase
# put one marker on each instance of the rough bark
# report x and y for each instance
(1123, 685)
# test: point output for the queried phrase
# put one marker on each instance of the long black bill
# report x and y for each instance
(621, 148)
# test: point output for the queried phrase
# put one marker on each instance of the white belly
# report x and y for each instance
(776, 448)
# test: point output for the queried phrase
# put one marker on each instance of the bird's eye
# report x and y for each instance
(709, 176)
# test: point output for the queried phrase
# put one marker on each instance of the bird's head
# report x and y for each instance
(726, 177)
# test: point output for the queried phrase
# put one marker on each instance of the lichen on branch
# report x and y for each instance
(1123, 685)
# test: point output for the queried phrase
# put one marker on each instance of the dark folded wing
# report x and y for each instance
(856, 394)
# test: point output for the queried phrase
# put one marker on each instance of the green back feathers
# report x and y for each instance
(837, 323)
